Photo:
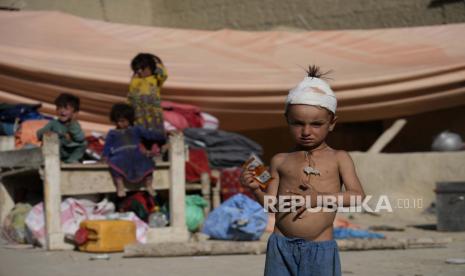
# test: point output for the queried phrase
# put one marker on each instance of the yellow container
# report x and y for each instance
(108, 235)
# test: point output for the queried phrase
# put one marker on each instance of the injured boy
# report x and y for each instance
(302, 241)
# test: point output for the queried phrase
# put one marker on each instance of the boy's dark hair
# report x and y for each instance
(122, 111)
(143, 60)
(65, 99)
(314, 71)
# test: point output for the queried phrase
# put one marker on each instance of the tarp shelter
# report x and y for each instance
(240, 77)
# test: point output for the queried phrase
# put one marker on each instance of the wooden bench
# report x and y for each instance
(77, 179)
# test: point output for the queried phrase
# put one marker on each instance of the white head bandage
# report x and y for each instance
(313, 91)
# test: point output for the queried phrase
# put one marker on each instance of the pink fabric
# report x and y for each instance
(239, 77)
(175, 119)
(190, 113)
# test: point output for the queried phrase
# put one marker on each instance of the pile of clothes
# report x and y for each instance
(226, 151)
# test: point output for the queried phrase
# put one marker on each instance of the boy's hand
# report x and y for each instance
(248, 180)
(68, 136)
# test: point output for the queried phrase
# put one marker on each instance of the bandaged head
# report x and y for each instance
(313, 91)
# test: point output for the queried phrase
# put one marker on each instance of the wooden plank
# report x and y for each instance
(7, 143)
(84, 167)
(206, 191)
(92, 181)
(171, 249)
(387, 136)
(406, 243)
(97, 166)
(52, 193)
(6, 200)
(177, 175)
(216, 201)
(167, 234)
(177, 189)
(194, 187)
(21, 158)
(6, 191)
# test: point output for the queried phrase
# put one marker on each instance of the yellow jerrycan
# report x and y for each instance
(105, 235)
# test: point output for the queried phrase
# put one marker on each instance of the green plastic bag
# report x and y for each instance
(14, 227)
(194, 211)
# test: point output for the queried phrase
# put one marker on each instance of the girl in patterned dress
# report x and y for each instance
(127, 159)
(144, 90)
(144, 94)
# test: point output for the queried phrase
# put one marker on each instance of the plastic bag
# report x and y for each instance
(238, 218)
(14, 227)
(194, 211)
(73, 211)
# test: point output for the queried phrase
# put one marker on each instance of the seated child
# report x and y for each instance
(72, 138)
(302, 241)
(123, 152)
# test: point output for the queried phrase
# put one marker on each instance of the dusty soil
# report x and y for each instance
(37, 262)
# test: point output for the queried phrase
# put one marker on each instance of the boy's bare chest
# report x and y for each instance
(320, 172)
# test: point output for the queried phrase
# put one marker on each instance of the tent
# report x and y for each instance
(240, 77)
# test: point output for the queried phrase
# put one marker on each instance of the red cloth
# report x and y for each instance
(175, 119)
(95, 144)
(141, 203)
(190, 113)
(231, 185)
(197, 164)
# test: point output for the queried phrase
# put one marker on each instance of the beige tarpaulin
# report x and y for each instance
(240, 77)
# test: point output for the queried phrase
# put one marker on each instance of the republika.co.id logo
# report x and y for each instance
(338, 203)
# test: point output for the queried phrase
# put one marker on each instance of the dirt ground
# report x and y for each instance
(415, 262)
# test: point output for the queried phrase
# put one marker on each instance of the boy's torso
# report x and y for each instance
(72, 128)
(313, 225)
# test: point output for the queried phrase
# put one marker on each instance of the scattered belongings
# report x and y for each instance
(224, 149)
(384, 227)
(105, 235)
(194, 212)
(455, 261)
(231, 183)
(14, 226)
(98, 257)
(345, 223)
(350, 233)
(371, 213)
(77, 179)
(238, 218)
